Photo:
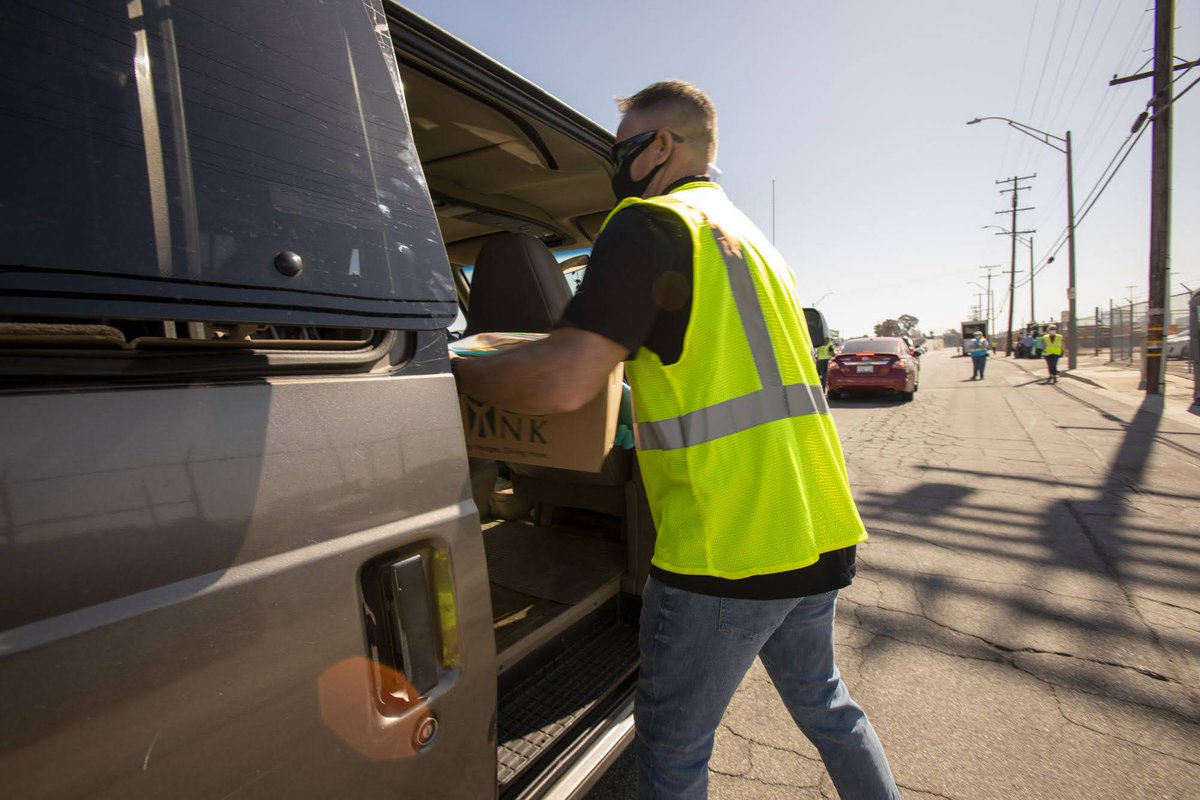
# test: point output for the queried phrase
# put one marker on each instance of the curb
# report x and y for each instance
(1082, 379)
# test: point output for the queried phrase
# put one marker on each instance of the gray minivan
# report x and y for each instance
(243, 552)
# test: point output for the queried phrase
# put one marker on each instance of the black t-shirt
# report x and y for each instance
(637, 291)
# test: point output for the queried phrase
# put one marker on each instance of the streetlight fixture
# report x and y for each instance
(1049, 140)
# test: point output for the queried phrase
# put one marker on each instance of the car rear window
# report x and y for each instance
(871, 346)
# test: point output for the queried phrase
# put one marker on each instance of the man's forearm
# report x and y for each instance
(516, 380)
(557, 374)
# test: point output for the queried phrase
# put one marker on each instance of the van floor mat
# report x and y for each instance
(550, 564)
(547, 704)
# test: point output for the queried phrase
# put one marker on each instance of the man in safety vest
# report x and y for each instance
(744, 473)
(1052, 348)
(824, 356)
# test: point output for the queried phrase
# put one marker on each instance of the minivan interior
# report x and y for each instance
(567, 551)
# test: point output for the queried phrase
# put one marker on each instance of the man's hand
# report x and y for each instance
(554, 375)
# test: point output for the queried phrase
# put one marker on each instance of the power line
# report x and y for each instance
(1023, 148)
(1093, 196)
(1063, 58)
(1087, 34)
(1136, 40)
(1141, 30)
(1099, 50)
(1046, 61)
(1111, 175)
(1091, 146)
(1020, 82)
(1187, 89)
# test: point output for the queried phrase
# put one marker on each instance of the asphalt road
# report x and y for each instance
(1026, 619)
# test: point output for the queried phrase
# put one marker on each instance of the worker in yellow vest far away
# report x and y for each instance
(742, 466)
(1052, 349)
(825, 354)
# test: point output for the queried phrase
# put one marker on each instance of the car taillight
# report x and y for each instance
(900, 364)
(834, 365)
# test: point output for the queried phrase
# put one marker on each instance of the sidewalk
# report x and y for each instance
(1123, 382)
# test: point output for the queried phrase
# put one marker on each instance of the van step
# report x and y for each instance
(547, 704)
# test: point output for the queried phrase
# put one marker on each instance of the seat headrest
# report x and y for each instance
(516, 285)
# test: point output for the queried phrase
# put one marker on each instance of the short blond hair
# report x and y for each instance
(684, 99)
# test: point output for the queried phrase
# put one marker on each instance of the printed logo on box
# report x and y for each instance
(488, 422)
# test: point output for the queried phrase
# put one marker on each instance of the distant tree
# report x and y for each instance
(889, 327)
(908, 323)
(952, 338)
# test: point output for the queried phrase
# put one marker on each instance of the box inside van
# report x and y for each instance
(243, 551)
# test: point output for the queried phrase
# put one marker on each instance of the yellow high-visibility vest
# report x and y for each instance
(825, 352)
(1052, 344)
(740, 458)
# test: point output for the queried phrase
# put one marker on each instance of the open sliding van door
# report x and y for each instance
(238, 552)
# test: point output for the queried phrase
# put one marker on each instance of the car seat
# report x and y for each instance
(517, 285)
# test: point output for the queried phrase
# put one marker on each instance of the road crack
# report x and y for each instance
(1062, 710)
(1004, 655)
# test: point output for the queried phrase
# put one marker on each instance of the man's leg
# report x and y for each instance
(695, 651)
(982, 366)
(799, 659)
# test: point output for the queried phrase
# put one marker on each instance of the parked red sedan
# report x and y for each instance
(880, 364)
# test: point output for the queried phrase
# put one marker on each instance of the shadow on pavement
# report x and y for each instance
(1014, 579)
(1044, 573)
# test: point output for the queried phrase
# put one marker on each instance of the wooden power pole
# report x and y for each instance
(1160, 195)
(1012, 276)
(1160, 188)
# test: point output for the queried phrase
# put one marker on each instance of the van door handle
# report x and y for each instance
(402, 631)
(411, 624)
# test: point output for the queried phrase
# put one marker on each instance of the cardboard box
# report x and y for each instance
(579, 440)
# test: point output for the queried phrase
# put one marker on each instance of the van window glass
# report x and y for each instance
(172, 155)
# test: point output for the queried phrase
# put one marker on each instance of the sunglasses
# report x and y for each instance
(635, 144)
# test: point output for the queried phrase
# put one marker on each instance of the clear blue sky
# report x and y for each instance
(856, 111)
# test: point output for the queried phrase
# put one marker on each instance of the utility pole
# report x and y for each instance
(1012, 282)
(991, 322)
(1160, 188)
(1160, 195)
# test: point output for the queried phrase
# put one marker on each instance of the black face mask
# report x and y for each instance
(623, 185)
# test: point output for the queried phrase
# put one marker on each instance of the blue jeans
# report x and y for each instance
(978, 364)
(1052, 365)
(696, 650)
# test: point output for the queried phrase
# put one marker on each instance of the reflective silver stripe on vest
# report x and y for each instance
(732, 416)
(771, 403)
(745, 296)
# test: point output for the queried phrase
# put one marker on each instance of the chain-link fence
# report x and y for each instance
(1119, 333)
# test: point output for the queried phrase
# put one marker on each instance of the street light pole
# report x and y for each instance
(1045, 138)
(991, 322)
(1072, 327)
(1032, 315)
